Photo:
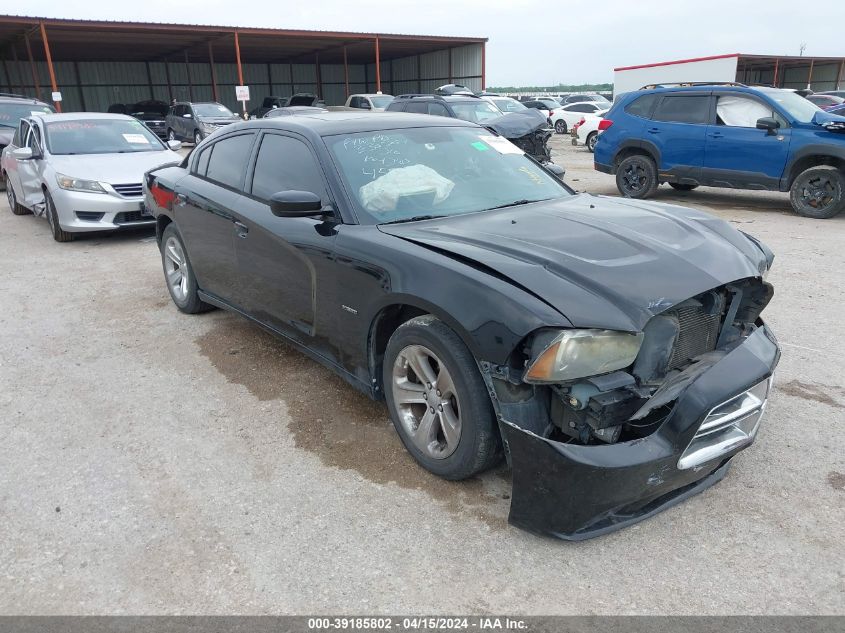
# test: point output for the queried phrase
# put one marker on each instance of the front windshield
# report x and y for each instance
(509, 105)
(12, 113)
(399, 175)
(381, 101)
(212, 110)
(795, 105)
(476, 111)
(101, 136)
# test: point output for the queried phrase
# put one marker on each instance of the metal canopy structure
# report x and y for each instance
(33, 41)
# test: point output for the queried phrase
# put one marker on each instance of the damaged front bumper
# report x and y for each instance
(575, 492)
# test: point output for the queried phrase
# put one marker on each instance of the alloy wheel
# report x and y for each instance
(427, 401)
(818, 192)
(634, 178)
(560, 127)
(176, 268)
(591, 142)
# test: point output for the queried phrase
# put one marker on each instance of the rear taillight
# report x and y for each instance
(551, 112)
(604, 124)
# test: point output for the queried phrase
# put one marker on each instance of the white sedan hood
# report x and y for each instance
(128, 168)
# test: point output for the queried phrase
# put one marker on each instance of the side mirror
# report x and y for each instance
(22, 153)
(557, 170)
(174, 145)
(296, 204)
(187, 115)
(769, 124)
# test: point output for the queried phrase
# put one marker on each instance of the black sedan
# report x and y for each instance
(611, 350)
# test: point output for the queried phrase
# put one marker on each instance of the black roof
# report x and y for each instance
(347, 122)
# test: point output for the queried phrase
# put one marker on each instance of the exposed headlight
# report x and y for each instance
(77, 184)
(575, 354)
(208, 127)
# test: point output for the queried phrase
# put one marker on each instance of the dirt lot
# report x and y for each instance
(154, 462)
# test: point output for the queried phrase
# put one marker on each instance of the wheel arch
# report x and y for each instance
(635, 148)
(397, 311)
(161, 223)
(813, 158)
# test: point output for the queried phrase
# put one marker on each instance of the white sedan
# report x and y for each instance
(587, 131)
(83, 171)
(566, 116)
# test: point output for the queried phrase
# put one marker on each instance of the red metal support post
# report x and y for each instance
(841, 75)
(240, 69)
(810, 78)
(32, 66)
(345, 71)
(188, 75)
(775, 77)
(319, 76)
(378, 67)
(50, 65)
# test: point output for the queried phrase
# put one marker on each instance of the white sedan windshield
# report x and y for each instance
(100, 136)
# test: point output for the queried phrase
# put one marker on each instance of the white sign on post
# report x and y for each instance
(242, 93)
(57, 96)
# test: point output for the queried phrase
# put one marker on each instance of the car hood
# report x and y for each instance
(218, 120)
(112, 168)
(601, 262)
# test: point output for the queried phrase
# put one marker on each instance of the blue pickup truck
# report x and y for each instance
(730, 135)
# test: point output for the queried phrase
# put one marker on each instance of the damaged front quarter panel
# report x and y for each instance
(575, 491)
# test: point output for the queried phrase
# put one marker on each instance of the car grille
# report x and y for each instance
(698, 332)
(130, 217)
(132, 190)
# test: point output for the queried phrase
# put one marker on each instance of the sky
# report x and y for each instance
(531, 42)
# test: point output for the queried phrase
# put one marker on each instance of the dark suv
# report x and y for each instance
(13, 108)
(725, 135)
(465, 107)
(195, 121)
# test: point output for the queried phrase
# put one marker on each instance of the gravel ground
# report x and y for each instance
(158, 463)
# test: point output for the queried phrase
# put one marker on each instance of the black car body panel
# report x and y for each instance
(621, 484)
(498, 278)
(602, 262)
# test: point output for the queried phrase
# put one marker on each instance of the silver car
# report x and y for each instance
(83, 171)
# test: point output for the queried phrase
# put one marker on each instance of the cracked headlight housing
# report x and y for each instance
(571, 354)
(78, 184)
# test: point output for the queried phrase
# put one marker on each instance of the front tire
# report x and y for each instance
(591, 141)
(178, 274)
(197, 137)
(680, 186)
(437, 400)
(636, 177)
(560, 126)
(818, 192)
(53, 220)
(15, 207)
(171, 135)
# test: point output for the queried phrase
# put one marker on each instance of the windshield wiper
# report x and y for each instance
(516, 203)
(415, 218)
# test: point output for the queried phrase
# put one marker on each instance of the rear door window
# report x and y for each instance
(228, 160)
(437, 109)
(684, 109)
(642, 107)
(418, 108)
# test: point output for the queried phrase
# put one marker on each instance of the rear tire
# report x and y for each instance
(818, 192)
(636, 177)
(53, 220)
(178, 273)
(14, 206)
(448, 396)
(560, 126)
(591, 141)
(679, 186)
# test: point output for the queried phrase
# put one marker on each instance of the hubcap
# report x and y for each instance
(427, 401)
(559, 126)
(176, 268)
(818, 193)
(634, 177)
(592, 142)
